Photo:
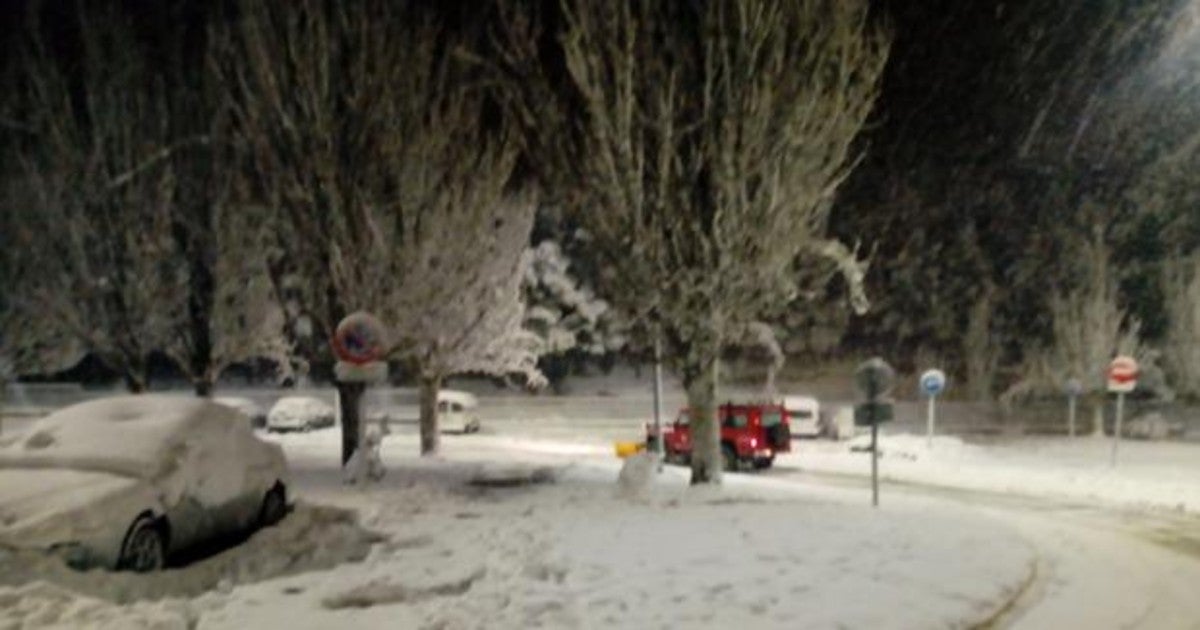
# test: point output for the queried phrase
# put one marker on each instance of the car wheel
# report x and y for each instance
(729, 457)
(274, 507)
(145, 548)
(764, 462)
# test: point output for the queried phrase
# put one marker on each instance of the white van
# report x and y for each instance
(456, 410)
(804, 414)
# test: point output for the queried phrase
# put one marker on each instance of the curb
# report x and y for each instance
(998, 617)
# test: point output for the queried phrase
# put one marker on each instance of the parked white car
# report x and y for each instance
(299, 413)
(124, 482)
(456, 411)
(804, 414)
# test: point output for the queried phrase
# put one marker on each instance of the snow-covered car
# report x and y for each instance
(456, 411)
(299, 413)
(124, 482)
(252, 410)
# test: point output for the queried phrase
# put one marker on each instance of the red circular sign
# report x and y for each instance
(1122, 375)
(359, 339)
(1123, 369)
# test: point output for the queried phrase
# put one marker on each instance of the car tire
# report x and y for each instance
(144, 548)
(763, 462)
(729, 457)
(274, 507)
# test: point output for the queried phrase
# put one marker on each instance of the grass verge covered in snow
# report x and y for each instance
(1154, 475)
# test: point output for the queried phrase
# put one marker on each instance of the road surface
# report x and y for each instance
(1097, 568)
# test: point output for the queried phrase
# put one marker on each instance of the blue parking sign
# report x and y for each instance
(933, 382)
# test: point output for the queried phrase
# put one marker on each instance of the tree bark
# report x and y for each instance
(350, 411)
(700, 380)
(431, 437)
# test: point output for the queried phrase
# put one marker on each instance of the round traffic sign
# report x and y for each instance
(359, 339)
(1122, 374)
(874, 378)
(933, 382)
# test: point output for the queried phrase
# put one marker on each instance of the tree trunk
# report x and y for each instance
(700, 380)
(202, 287)
(135, 379)
(431, 438)
(350, 409)
(203, 386)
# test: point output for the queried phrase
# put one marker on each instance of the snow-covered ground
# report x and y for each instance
(468, 549)
(1155, 475)
(1082, 543)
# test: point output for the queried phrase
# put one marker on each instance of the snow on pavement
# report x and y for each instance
(566, 551)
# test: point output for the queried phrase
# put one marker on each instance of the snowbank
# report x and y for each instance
(42, 605)
(310, 538)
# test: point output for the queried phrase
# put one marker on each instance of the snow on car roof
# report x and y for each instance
(301, 402)
(465, 399)
(806, 401)
(128, 435)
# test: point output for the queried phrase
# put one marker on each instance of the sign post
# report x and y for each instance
(1074, 389)
(933, 382)
(359, 344)
(874, 379)
(1122, 379)
(658, 393)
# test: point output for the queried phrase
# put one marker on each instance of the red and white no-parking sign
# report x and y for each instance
(1122, 375)
(359, 339)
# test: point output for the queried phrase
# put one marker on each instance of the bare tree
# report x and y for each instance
(130, 248)
(365, 127)
(1090, 327)
(100, 240)
(233, 313)
(1181, 351)
(703, 144)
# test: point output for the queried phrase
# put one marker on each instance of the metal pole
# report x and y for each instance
(1117, 427)
(1071, 415)
(658, 438)
(930, 419)
(875, 462)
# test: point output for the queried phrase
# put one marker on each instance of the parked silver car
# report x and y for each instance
(123, 482)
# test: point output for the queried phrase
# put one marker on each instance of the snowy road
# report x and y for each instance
(1097, 567)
